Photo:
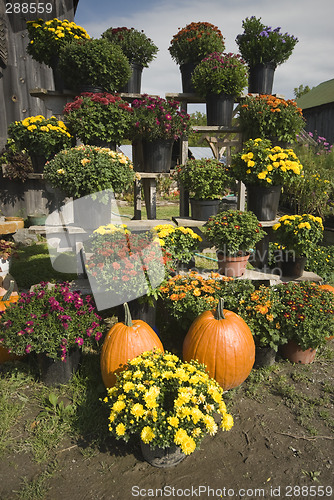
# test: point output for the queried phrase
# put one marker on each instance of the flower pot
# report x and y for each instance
(203, 209)
(101, 144)
(185, 266)
(261, 79)
(157, 155)
(37, 220)
(133, 85)
(292, 266)
(56, 372)
(38, 162)
(139, 310)
(87, 87)
(233, 267)
(162, 457)
(219, 109)
(263, 201)
(4, 266)
(264, 356)
(294, 353)
(187, 70)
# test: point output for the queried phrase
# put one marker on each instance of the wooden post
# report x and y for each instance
(150, 192)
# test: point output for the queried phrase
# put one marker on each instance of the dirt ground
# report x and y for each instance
(269, 453)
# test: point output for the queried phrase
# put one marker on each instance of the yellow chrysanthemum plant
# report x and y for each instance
(40, 136)
(48, 37)
(180, 242)
(260, 163)
(165, 402)
(298, 233)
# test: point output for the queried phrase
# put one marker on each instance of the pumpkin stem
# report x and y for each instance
(128, 319)
(220, 309)
(9, 291)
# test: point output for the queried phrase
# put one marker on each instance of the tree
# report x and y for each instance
(301, 90)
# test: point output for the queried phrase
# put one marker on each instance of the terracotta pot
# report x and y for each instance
(233, 267)
(294, 353)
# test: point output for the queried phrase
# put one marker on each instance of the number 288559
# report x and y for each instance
(28, 8)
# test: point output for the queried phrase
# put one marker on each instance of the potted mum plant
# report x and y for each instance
(126, 267)
(234, 234)
(41, 137)
(263, 48)
(47, 39)
(191, 44)
(220, 78)
(262, 311)
(7, 251)
(297, 236)
(138, 48)
(94, 65)
(54, 323)
(264, 169)
(157, 411)
(270, 117)
(180, 242)
(307, 319)
(93, 174)
(99, 119)
(207, 181)
(157, 123)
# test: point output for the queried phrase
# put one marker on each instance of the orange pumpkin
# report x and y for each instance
(331, 289)
(223, 342)
(125, 341)
(7, 297)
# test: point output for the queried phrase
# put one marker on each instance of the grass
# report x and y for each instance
(163, 211)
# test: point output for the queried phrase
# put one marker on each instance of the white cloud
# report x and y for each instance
(310, 64)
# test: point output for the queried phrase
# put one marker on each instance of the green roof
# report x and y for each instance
(322, 94)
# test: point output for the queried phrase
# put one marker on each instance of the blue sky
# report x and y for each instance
(311, 63)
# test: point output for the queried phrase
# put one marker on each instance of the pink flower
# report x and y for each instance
(28, 348)
(79, 341)
(98, 335)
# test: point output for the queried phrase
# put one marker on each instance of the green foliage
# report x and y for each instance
(260, 44)
(233, 231)
(301, 90)
(220, 74)
(307, 315)
(312, 192)
(262, 311)
(85, 170)
(137, 47)
(195, 41)
(205, 179)
(98, 117)
(270, 117)
(320, 260)
(178, 241)
(17, 162)
(39, 135)
(48, 37)
(94, 62)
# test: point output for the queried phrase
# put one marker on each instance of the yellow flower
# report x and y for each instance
(137, 410)
(147, 434)
(188, 445)
(120, 429)
(173, 421)
(60, 171)
(118, 406)
(262, 175)
(227, 422)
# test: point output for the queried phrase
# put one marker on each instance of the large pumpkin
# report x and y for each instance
(224, 343)
(7, 297)
(125, 341)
